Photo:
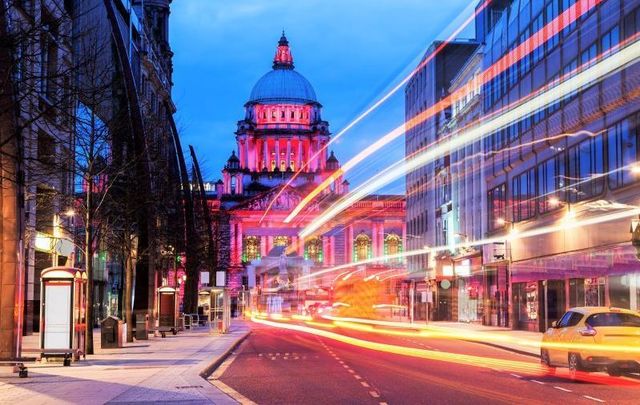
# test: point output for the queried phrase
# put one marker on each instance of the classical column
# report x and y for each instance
(242, 152)
(325, 250)
(288, 155)
(348, 242)
(332, 250)
(375, 236)
(265, 149)
(263, 246)
(269, 243)
(299, 157)
(381, 239)
(300, 247)
(232, 241)
(247, 154)
(277, 150)
(310, 159)
(239, 244)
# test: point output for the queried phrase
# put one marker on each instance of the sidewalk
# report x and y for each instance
(155, 370)
(514, 340)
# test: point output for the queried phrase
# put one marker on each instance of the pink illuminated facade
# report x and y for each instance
(282, 133)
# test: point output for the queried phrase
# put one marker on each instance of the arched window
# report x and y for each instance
(362, 247)
(392, 244)
(281, 241)
(251, 249)
(283, 165)
(313, 250)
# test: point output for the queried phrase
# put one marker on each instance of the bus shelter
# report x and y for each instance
(220, 309)
(62, 312)
(167, 310)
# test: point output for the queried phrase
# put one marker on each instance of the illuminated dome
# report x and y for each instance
(283, 83)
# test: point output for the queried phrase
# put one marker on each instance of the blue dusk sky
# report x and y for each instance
(351, 51)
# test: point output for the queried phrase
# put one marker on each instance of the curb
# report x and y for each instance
(217, 362)
(509, 349)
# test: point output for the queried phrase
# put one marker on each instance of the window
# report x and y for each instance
(523, 195)
(588, 56)
(392, 244)
(281, 241)
(622, 153)
(613, 319)
(538, 39)
(46, 148)
(551, 13)
(251, 248)
(585, 169)
(551, 182)
(570, 319)
(362, 247)
(610, 39)
(313, 250)
(570, 18)
(497, 201)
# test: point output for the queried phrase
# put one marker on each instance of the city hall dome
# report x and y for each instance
(283, 83)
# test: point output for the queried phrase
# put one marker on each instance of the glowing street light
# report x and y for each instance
(554, 202)
(70, 213)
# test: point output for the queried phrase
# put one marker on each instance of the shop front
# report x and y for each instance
(469, 289)
(543, 289)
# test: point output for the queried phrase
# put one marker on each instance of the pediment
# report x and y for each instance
(286, 201)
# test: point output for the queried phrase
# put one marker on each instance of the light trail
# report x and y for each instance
(536, 40)
(465, 359)
(564, 226)
(440, 332)
(503, 365)
(589, 76)
(377, 104)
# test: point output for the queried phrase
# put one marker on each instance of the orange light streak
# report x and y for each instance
(586, 77)
(536, 40)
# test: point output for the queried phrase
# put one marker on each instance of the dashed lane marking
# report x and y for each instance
(537, 382)
(562, 389)
(374, 394)
(357, 377)
(364, 384)
(593, 398)
(516, 375)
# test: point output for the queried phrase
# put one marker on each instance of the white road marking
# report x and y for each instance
(537, 382)
(364, 384)
(374, 394)
(562, 389)
(351, 371)
(516, 375)
(357, 377)
(593, 399)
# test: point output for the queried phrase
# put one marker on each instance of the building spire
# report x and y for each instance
(283, 58)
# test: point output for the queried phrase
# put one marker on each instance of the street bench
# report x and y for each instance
(18, 367)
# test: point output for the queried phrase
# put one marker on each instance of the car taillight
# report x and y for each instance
(588, 332)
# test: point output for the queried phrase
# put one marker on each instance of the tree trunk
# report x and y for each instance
(128, 297)
(88, 242)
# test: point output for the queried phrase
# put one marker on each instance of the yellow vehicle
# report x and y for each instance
(594, 339)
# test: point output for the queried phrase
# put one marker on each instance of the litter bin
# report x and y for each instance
(111, 333)
(142, 325)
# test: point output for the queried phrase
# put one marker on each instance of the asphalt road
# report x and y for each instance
(281, 366)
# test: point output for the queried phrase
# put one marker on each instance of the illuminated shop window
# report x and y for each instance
(251, 249)
(281, 241)
(362, 247)
(313, 250)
